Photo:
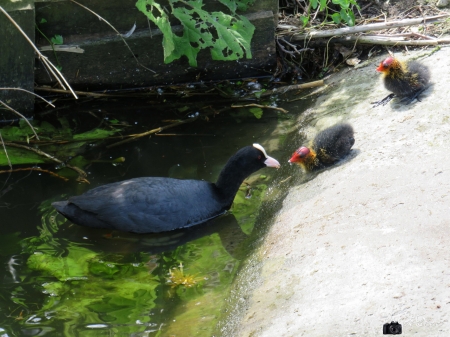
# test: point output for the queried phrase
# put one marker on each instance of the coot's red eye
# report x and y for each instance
(259, 157)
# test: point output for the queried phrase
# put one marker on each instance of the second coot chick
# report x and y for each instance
(154, 204)
(327, 148)
(406, 80)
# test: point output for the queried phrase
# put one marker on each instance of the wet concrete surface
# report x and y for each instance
(365, 242)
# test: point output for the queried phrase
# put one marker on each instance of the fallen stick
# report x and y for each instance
(364, 28)
(285, 89)
(382, 40)
(260, 106)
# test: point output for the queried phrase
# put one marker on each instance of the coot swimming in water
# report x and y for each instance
(154, 204)
(328, 147)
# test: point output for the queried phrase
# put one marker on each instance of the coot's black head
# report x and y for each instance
(243, 163)
(254, 158)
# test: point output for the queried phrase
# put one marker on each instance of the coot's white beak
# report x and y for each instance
(272, 162)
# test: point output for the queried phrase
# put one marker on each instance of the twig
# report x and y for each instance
(260, 106)
(6, 152)
(285, 89)
(59, 77)
(38, 169)
(21, 116)
(81, 174)
(366, 28)
(150, 132)
(32, 93)
(120, 35)
(387, 41)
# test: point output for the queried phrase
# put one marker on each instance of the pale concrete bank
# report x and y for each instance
(366, 242)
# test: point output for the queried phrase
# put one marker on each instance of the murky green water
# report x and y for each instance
(60, 279)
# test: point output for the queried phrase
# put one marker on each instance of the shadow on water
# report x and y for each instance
(61, 279)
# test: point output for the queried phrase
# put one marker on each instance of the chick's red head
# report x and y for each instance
(299, 155)
(386, 64)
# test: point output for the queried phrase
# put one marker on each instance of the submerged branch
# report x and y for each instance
(38, 169)
(81, 174)
(285, 89)
(260, 106)
(21, 116)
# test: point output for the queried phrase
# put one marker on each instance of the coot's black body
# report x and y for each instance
(152, 204)
(329, 146)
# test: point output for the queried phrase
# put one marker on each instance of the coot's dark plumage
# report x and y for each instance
(328, 147)
(151, 204)
(405, 80)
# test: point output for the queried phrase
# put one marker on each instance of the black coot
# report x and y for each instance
(152, 204)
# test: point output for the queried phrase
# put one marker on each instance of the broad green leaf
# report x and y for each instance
(304, 20)
(161, 20)
(314, 3)
(336, 18)
(228, 37)
(57, 39)
(257, 112)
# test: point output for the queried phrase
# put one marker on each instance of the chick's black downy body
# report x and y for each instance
(333, 143)
(406, 80)
(329, 146)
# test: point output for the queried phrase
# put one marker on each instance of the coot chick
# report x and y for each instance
(327, 148)
(155, 204)
(406, 80)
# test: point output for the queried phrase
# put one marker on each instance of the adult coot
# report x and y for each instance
(405, 80)
(152, 204)
(328, 146)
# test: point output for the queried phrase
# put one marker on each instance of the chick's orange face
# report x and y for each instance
(299, 155)
(386, 64)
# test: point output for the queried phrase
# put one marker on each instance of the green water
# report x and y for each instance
(59, 279)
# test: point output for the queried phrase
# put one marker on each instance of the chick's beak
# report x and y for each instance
(272, 162)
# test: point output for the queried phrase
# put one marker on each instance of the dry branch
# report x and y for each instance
(388, 41)
(285, 89)
(260, 106)
(365, 28)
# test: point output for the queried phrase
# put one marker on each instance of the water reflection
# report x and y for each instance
(65, 280)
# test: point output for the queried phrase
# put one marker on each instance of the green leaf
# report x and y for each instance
(343, 3)
(257, 112)
(314, 3)
(304, 20)
(43, 21)
(241, 5)
(161, 20)
(348, 17)
(259, 93)
(336, 18)
(57, 39)
(94, 134)
(228, 37)
(323, 4)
